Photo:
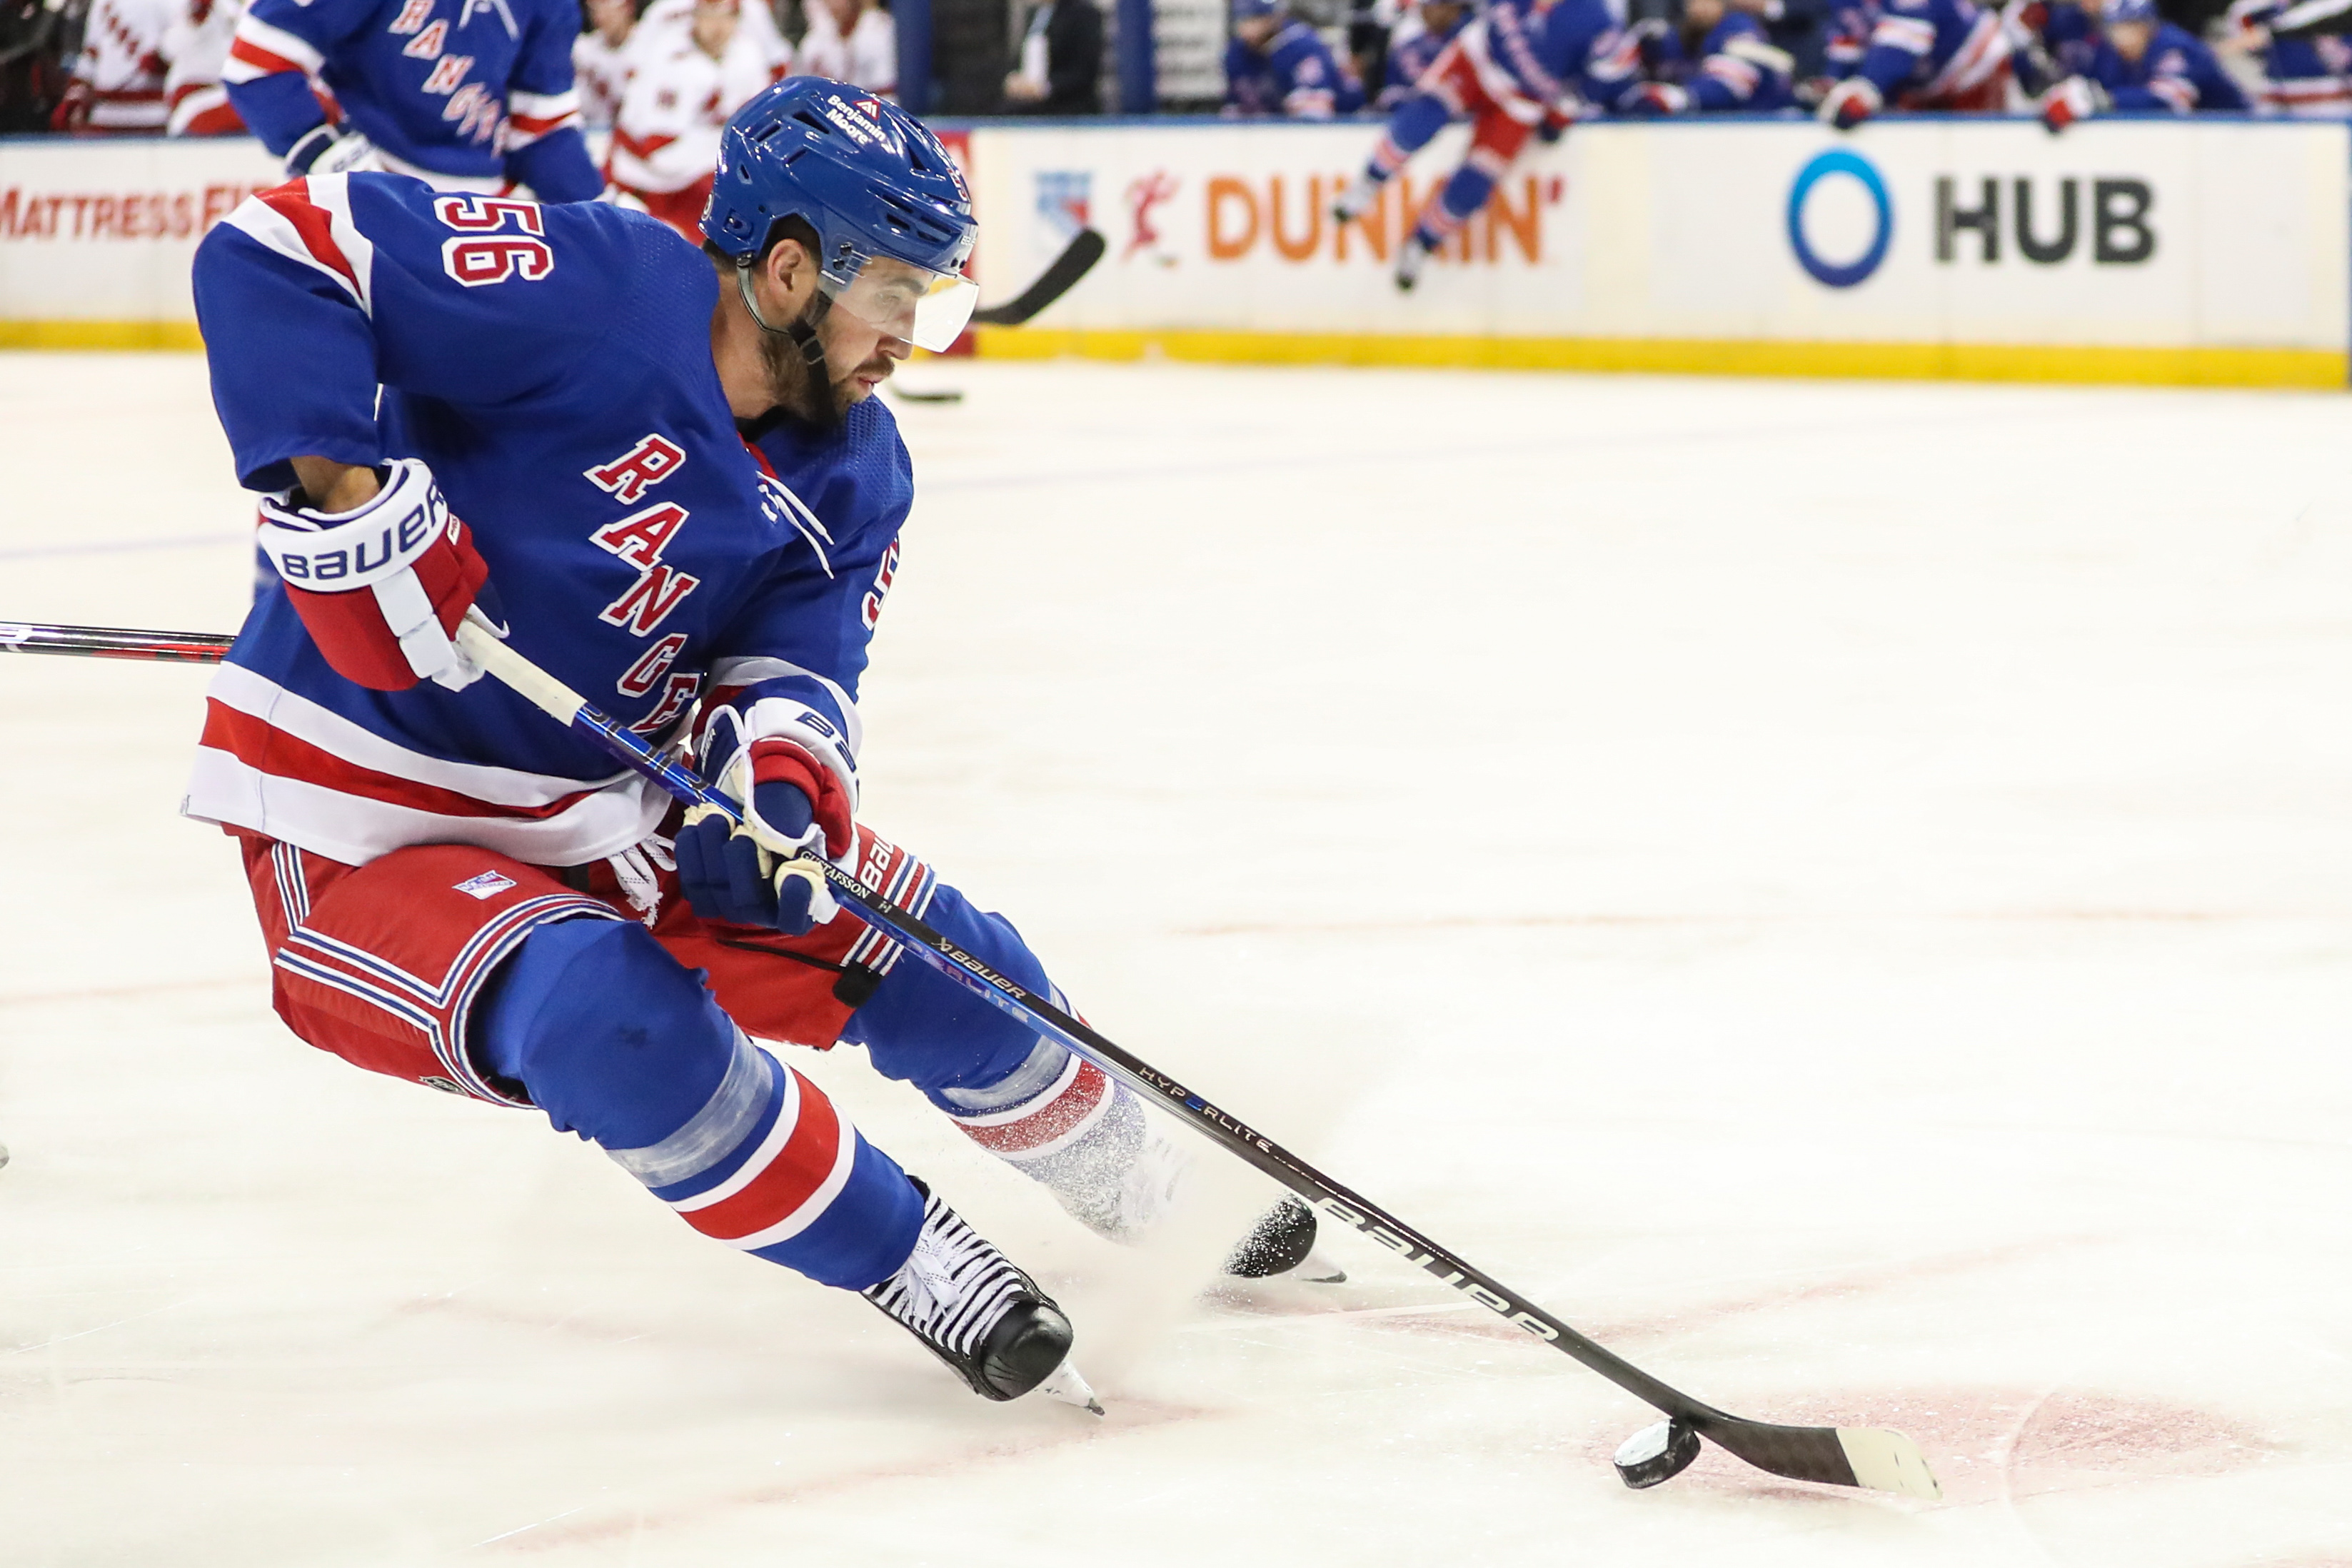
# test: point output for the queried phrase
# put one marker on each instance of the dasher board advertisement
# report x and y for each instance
(2139, 250)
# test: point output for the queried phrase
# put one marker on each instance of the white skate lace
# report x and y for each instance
(954, 1287)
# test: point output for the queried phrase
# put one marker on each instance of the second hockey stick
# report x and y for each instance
(1077, 259)
(1839, 1456)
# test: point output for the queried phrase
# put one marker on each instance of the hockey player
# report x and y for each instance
(1718, 58)
(666, 138)
(854, 41)
(1276, 64)
(1925, 54)
(2048, 43)
(1415, 45)
(600, 60)
(469, 95)
(672, 472)
(117, 81)
(2307, 78)
(1518, 69)
(664, 22)
(196, 45)
(2144, 63)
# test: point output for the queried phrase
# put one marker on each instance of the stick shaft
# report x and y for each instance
(114, 642)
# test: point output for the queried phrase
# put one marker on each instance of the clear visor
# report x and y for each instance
(902, 300)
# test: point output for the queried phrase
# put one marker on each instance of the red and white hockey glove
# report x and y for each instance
(1658, 98)
(72, 112)
(2076, 97)
(1850, 103)
(753, 873)
(381, 588)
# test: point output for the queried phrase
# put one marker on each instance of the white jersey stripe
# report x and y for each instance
(356, 829)
(252, 29)
(274, 231)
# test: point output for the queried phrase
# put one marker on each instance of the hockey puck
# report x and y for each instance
(1655, 1453)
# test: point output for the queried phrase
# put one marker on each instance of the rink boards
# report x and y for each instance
(2213, 251)
(2216, 251)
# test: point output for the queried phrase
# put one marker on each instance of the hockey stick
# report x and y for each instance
(1077, 260)
(1840, 1455)
(116, 642)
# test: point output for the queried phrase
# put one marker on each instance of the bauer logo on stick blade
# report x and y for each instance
(1655, 1453)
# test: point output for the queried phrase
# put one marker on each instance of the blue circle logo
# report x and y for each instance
(1840, 161)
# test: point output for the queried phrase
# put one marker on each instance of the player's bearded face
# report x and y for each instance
(857, 357)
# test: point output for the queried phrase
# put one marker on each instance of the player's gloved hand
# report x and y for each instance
(72, 112)
(753, 873)
(381, 588)
(1850, 103)
(331, 150)
(1658, 98)
(2076, 97)
(1553, 126)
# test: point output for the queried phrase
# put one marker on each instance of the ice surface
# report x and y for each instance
(1845, 891)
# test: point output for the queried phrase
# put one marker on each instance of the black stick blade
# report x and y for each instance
(1074, 263)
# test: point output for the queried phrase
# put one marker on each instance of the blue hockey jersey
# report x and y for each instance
(478, 90)
(1295, 75)
(1410, 52)
(1936, 54)
(551, 364)
(1551, 56)
(2306, 78)
(1734, 66)
(2177, 73)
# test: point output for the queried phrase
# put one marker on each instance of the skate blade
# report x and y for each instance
(1067, 1385)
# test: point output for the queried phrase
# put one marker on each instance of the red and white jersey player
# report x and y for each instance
(679, 98)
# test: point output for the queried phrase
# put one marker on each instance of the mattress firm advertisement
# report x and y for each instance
(2157, 250)
(96, 236)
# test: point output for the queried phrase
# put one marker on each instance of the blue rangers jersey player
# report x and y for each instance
(665, 477)
(2144, 65)
(2307, 78)
(473, 95)
(1518, 69)
(1415, 45)
(2048, 43)
(1276, 64)
(1925, 54)
(1718, 60)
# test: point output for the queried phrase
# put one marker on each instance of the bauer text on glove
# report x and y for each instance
(380, 587)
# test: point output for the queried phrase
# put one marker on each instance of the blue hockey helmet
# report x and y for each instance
(871, 181)
(1250, 10)
(2129, 11)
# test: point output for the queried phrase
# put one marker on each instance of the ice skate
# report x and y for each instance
(1356, 200)
(980, 1314)
(1411, 257)
(1120, 1179)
